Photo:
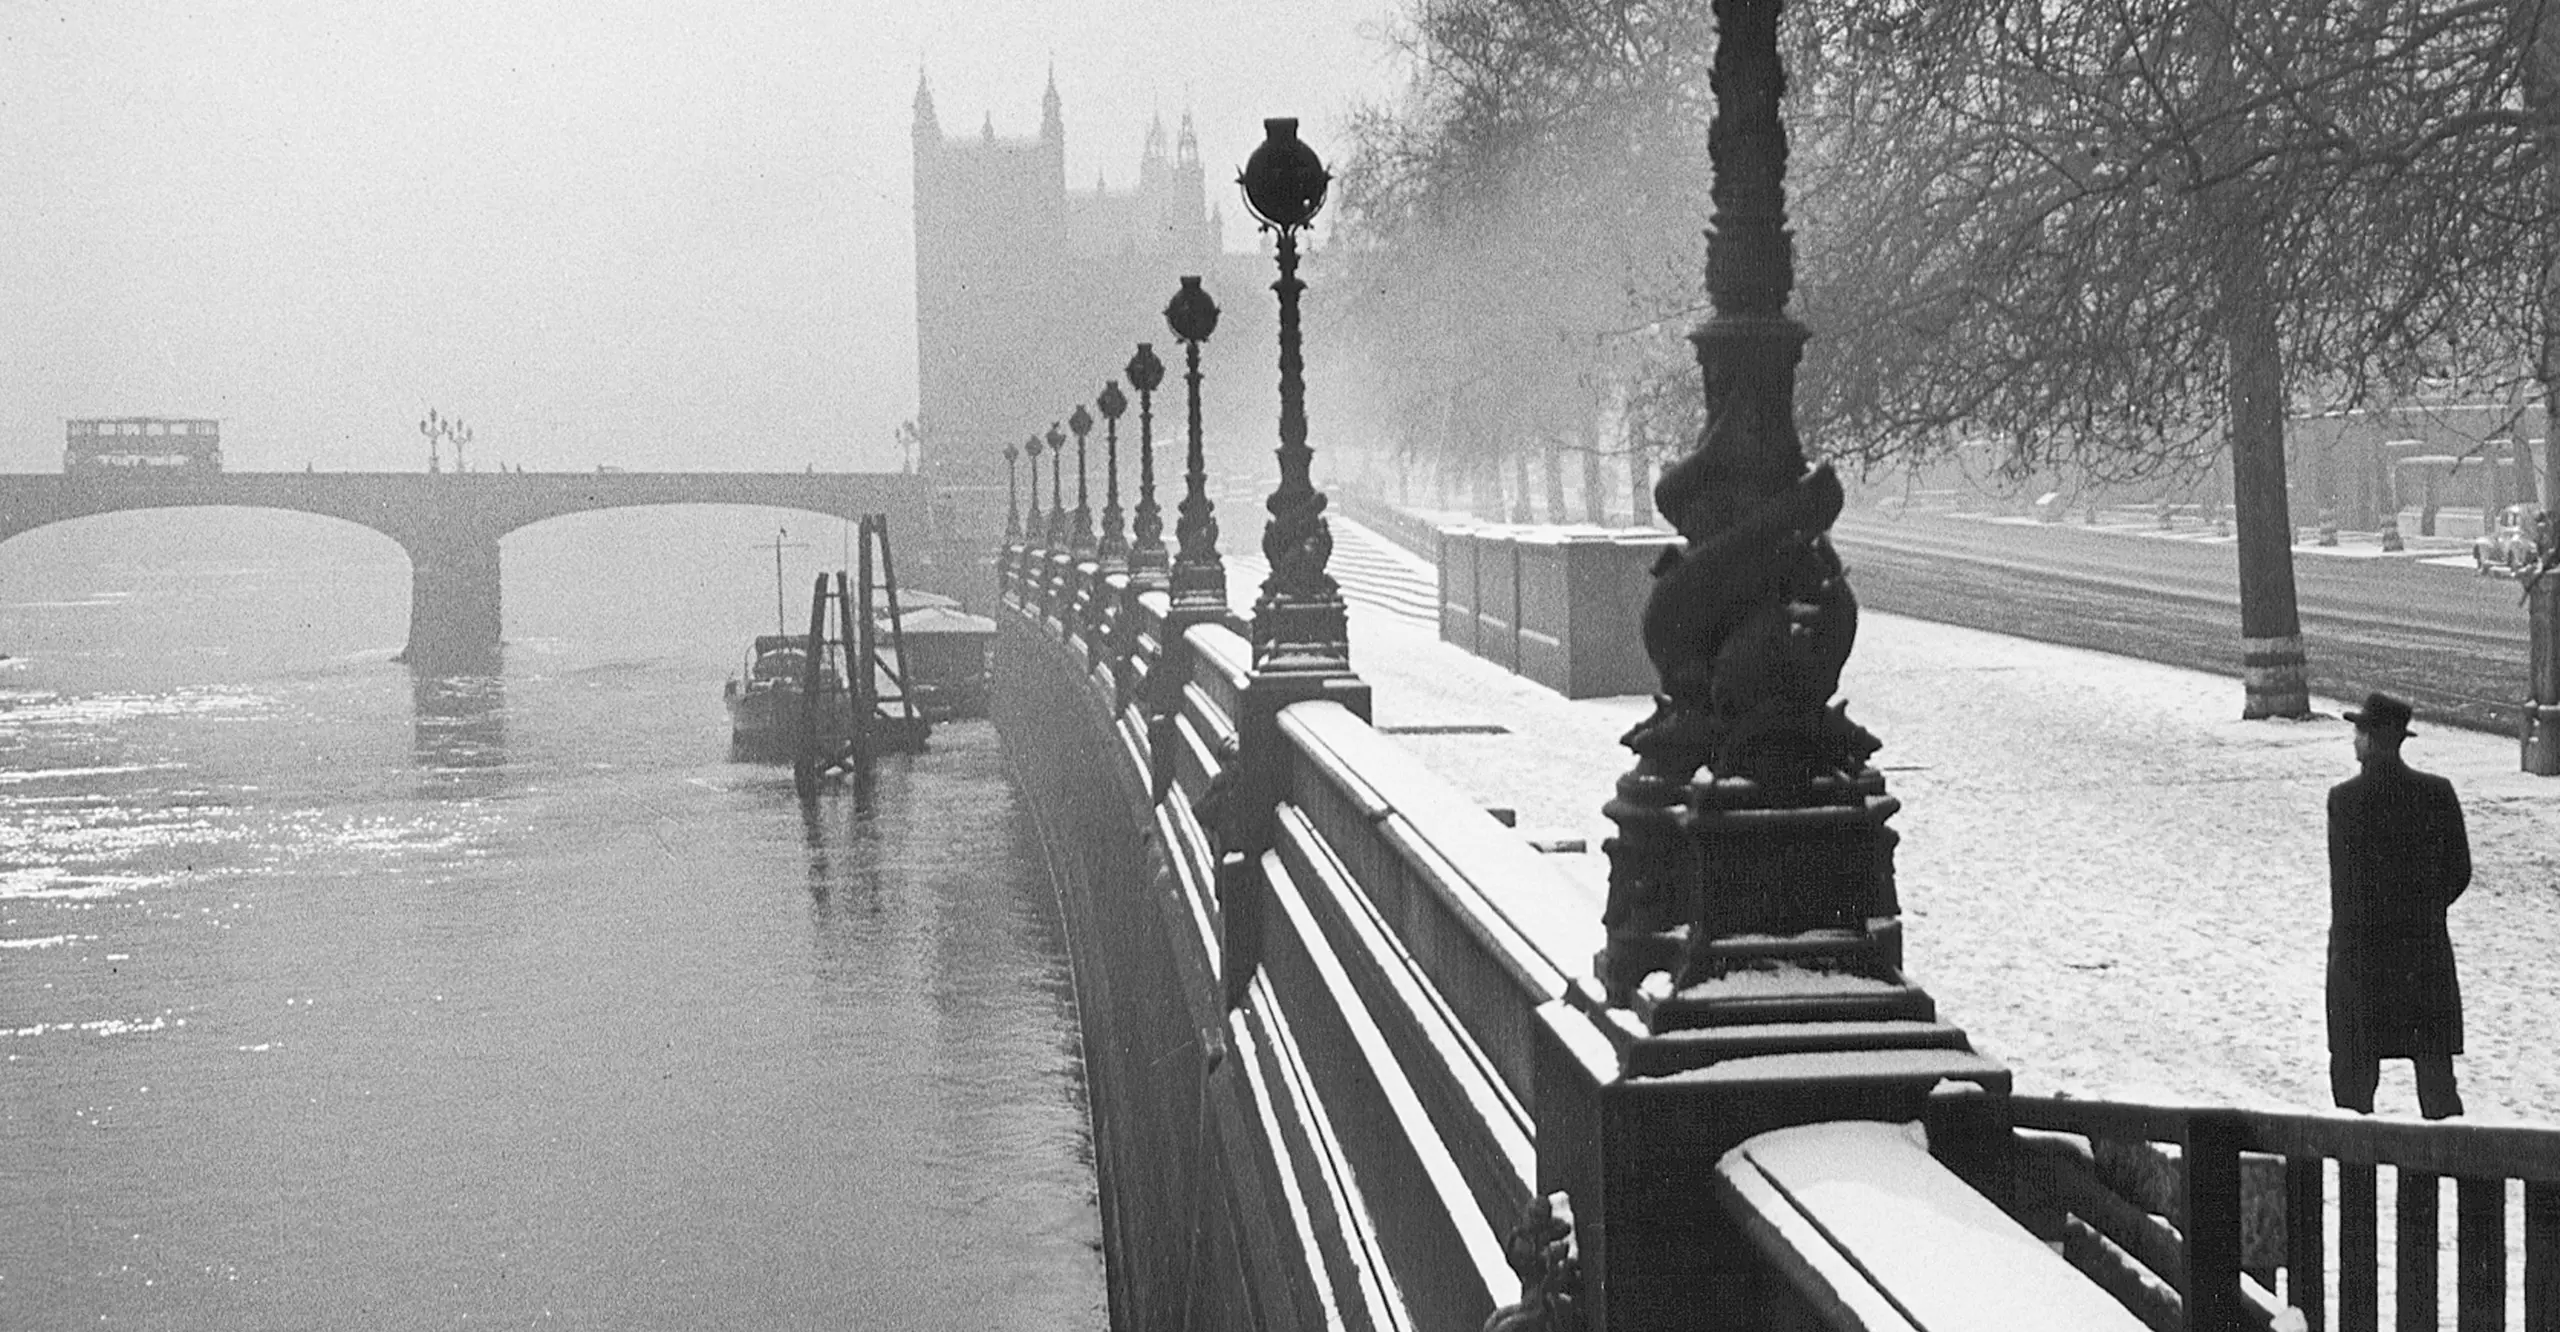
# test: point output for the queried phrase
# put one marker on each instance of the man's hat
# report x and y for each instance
(2381, 712)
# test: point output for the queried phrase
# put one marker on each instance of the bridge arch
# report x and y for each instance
(451, 524)
(338, 587)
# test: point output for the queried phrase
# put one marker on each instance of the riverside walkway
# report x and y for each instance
(2112, 883)
(1333, 936)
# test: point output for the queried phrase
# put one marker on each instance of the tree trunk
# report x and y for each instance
(1639, 482)
(1488, 493)
(2275, 681)
(1522, 508)
(1552, 453)
(2542, 96)
(1595, 477)
(2366, 480)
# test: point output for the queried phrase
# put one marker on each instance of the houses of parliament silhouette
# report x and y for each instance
(1030, 294)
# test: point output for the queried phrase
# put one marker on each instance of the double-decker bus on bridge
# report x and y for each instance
(107, 446)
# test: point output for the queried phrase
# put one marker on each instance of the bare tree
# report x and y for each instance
(2125, 238)
(2126, 235)
(1514, 219)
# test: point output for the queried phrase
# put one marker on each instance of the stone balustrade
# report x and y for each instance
(1348, 968)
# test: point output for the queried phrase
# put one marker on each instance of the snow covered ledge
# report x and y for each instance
(1868, 1231)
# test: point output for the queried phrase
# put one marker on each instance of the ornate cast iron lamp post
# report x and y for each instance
(1080, 535)
(1113, 552)
(1057, 488)
(437, 430)
(1031, 529)
(1012, 509)
(1751, 861)
(1146, 553)
(1199, 576)
(1298, 622)
(1783, 835)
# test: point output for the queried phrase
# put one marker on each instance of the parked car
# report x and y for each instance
(2513, 541)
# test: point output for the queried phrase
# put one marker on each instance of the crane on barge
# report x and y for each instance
(844, 627)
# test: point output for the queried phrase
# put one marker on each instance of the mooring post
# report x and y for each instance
(804, 757)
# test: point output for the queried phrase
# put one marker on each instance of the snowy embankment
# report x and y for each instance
(2108, 879)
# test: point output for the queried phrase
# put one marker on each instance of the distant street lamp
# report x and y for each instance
(1057, 488)
(1299, 622)
(1199, 577)
(1146, 554)
(1080, 536)
(1113, 553)
(910, 446)
(1031, 529)
(1012, 509)
(439, 430)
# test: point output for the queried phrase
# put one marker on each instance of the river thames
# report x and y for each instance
(334, 995)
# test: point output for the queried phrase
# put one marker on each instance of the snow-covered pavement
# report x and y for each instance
(2109, 880)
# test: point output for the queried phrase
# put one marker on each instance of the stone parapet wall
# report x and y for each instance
(1308, 973)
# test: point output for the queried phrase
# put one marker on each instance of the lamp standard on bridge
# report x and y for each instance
(1080, 536)
(1146, 553)
(1113, 552)
(437, 430)
(1057, 488)
(1199, 576)
(1299, 623)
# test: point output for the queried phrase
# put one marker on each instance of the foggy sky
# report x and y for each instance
(649, 233)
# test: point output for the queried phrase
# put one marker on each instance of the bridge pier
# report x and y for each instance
(453, 601)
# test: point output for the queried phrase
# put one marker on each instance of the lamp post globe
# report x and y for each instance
(1192, 314)
(1284, 181)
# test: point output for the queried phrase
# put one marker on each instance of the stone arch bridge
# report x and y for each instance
(450, 523)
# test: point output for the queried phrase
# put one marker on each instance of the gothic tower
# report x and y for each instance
(1029, 294)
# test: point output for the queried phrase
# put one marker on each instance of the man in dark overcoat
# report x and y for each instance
(2398, 856)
